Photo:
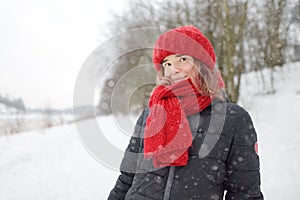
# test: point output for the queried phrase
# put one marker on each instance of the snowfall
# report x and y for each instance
(56, 164)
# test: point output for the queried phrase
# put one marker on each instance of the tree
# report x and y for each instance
(230, 34)
(236, 28)
(269, 33)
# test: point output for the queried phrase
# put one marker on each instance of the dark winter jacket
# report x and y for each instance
(222, 161)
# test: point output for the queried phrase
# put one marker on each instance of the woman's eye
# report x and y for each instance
(166, 65)
(182, 59)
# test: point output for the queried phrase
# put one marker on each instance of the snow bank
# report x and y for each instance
(53, 164)
(276, 117)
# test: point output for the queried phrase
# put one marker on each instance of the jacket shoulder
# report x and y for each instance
(141, 122)
(245, 133)
(236, 110)
(228, 108)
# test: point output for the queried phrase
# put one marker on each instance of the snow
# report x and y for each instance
(50, 165)
(276, 119)
(47, 42)
(54, 164)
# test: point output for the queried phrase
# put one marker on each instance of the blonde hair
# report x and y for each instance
(206, 80)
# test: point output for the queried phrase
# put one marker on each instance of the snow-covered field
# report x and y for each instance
(53, 163)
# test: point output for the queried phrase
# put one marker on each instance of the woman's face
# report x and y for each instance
(178, 67)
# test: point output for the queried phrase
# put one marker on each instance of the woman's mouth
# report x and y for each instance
(178, 79)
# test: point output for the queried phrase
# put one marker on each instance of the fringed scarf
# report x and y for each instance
(167, 133)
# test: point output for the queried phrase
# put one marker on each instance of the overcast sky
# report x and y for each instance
(43, 44)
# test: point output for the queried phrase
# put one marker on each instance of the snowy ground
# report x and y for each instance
(53, 164)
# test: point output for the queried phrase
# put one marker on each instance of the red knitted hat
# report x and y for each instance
(185, 40)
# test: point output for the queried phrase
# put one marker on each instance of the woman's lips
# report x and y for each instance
(178, 79)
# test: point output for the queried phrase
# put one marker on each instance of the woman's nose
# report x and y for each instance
(175, 68)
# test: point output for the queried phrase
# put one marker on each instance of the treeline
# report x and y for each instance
(18, 103)
(15, 117)
(247, 36)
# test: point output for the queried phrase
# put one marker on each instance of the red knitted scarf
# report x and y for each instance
(167, 132)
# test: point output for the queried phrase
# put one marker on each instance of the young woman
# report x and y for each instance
(190, 143)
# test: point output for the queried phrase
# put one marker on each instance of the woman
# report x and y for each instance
(191, 143)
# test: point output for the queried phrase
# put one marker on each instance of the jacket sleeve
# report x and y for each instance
(243, 176)
(129, 161)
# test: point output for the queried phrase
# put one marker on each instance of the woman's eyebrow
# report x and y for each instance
(177, 55)
(164, 61)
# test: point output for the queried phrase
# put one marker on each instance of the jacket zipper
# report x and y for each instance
(169, 183)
